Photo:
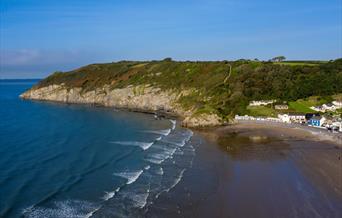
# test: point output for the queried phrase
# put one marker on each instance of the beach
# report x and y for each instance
(257, 170)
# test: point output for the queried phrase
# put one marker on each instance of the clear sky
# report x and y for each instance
(38, 37)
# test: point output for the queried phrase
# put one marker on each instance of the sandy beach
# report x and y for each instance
(255, 170)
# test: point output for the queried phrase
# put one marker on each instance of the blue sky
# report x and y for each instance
(39, 37)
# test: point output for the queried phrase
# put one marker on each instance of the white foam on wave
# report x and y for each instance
(173, 124)
(140, 200)
(69, 208)
(130, 176)
(158, 158)
(143, 145)
(154, 160)
(90, 214)
(110, 195)
(166, 152)
(164, 132)
(179, 144)
(159, 138)
(177, 180)
(147, 167)
(160, 171)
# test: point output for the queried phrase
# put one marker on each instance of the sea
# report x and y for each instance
(67, 160)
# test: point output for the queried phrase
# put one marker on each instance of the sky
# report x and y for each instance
(38, 37)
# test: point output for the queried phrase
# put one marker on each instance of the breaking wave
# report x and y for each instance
(61, 209)
(160, 171)
(173, 124)
(140, 199)
(177, 180)
(164, 132)
(143, 145)
(110, 195)
(130, 176)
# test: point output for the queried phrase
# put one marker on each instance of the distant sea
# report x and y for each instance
(60, 160)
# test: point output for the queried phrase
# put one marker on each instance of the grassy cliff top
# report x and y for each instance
(248, 80)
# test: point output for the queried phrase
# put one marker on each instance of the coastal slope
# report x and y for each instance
(202, 93)
(147, 99)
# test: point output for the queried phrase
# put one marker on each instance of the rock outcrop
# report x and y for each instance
(143, 97)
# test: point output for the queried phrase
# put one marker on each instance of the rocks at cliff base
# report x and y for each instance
(141, 97)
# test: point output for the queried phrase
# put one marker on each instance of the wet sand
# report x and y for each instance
(257, 171)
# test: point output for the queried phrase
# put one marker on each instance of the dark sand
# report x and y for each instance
(257, 171)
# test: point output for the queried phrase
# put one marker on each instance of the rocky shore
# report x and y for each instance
(140, 98)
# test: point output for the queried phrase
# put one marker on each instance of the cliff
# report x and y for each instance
(202, 93)
(143, 97)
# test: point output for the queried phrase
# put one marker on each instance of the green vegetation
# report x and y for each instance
(300, 106)
(303, 105)
(337, 97)
(301, 63)
(297, 63)
(203, 81)
(278, 59)
(261, 111)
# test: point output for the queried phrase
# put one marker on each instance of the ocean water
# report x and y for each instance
(59, 160)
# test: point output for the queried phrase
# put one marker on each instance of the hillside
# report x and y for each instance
(198, 88)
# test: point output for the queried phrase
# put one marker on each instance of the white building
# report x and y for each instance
(292, 118)
(329, 107)
(284, 118)
(262, 102)
(317, 121)
(338, 104)
(338, 125)
(281, 107)
(318, 108)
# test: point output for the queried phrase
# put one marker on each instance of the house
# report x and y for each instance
(337, 126)
(316, 121)
(281, 107)
(338, 104)
(292, 118)
(329, 107)
(297, 117)
(318, 108)
(245, 117)
(308, 116)
(261, 102)
(284, 118)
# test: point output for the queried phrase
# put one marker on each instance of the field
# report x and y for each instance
(303, 105)
(261, 111)
(301, 63)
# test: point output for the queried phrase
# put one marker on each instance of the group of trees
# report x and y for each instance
(278, 59)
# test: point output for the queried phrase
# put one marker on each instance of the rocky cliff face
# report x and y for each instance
(142, 97)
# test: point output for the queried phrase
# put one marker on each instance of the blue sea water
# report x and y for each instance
(59, 160)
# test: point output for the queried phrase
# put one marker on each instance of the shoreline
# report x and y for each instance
(272, 169)
(246, 170)
(316, 133)
(290, 129)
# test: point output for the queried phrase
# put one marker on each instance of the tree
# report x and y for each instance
(167, 59)
(279, 59)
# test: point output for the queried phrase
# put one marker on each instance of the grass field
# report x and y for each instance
(301, 106)
(297, 63)
(261, 111)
